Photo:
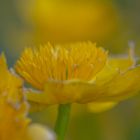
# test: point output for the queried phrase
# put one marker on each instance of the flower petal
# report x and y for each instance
(97, 107)
(122, 86)
(37, 131)
(112, 87)
(69, 91)
(60, 92)
(122, 63)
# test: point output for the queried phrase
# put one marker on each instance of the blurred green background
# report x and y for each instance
(110, 23)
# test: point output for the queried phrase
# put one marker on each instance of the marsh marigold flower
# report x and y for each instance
(14, 125)
(79, 72)
(98, 20)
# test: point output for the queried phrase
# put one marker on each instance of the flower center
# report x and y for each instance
(75, 61)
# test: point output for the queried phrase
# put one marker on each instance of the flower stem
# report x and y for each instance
(62, 120)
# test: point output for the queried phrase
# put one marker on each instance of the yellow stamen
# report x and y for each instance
(75, 61)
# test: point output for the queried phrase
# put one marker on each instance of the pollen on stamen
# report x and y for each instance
(73, 61)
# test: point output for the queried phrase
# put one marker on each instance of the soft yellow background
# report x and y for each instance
(113, 24)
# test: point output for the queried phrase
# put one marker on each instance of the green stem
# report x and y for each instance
(62, 121)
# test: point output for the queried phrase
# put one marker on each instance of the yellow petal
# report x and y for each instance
(9, 83)
(97, 107)
(124, 85)
(59, 92)
(13, 107)
(121, 63)
(39, 132)
(14, 125)
(68, 91)
(124, 62)
(112, 87)
(120, 87)
(3, 63)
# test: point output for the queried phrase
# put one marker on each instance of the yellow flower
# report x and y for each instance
(14, 125)
(78, 73)
(97, 20)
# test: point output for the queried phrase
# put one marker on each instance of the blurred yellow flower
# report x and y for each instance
(77, 72)
(65, 21)
(14, 125)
